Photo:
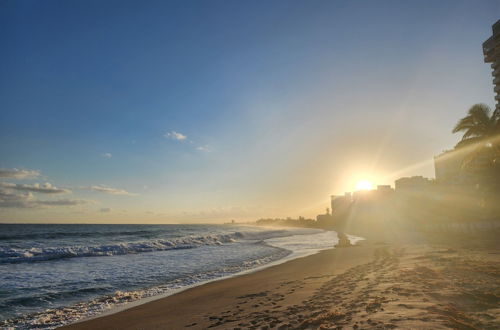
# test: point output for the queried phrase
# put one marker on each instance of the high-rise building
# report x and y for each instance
(491, 51)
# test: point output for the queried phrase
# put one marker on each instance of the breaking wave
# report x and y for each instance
(12, 255)
(36, 254)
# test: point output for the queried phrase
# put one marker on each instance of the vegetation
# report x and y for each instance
(480, 126)
(481, 135)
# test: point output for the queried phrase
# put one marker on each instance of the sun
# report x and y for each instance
(364, 185)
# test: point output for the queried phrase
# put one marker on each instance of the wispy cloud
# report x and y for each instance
(111, 191)
(9, 199)
(175, 136)
(106, 155)
(105, 210)
(204, 148)
(45, 188)
(62, 202)
(14, 173)
(28, 200)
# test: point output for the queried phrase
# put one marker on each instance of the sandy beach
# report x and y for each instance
(376, 285)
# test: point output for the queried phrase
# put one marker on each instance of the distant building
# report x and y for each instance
(323, 219)
(363, 195)
(491, 51)
(335, 200)
(414, 183)
(339, 201)
(384, 188)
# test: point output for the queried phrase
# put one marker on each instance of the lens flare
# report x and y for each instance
(364, 185)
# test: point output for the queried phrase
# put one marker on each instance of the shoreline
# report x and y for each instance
(146, 300)
(291, 256)
(373, 285)
(297, 243)
(252, 275)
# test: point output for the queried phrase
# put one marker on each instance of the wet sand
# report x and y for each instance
(371, 286)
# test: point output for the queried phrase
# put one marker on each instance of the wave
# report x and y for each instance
(36, 254)
(52, 235)
(55, 317)
(48, 306)
(275, 233)
(16, 255)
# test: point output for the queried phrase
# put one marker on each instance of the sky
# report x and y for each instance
(206, 111)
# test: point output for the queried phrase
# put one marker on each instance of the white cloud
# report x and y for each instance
(107, 155)
(111, 191)
(204, 148)
(27, 200)
(46, 188)
(175, 136)
(105, 210)
(15, 173)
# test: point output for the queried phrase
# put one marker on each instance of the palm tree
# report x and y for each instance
(481, 141)
(479, 126)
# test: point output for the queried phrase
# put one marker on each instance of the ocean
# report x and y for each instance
(54, 274)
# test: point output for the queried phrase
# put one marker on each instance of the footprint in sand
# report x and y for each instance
(406, 306)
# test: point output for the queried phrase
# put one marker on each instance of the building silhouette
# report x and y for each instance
(491, 51)
(414, 183)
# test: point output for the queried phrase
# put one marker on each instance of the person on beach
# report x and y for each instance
(343, 240)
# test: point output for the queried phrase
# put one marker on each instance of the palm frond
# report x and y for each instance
(464, 124)
(478, 131)
(469, 141)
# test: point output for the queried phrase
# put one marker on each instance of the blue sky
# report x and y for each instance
(281, 103)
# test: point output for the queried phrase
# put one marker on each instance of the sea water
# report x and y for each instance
(52, 274)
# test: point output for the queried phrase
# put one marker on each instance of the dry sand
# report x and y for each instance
(372, 286)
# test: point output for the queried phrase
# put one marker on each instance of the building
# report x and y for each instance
(363, 195)
(335, 201)
(323, 219)
(373, 195)
(384, 189)
(491, 51)
(340, 201)
(414, 183)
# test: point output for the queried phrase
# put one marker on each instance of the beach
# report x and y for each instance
(128, 264)
(249, 165)
(378, 284)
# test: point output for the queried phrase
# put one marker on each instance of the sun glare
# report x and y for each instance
(364, 185)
